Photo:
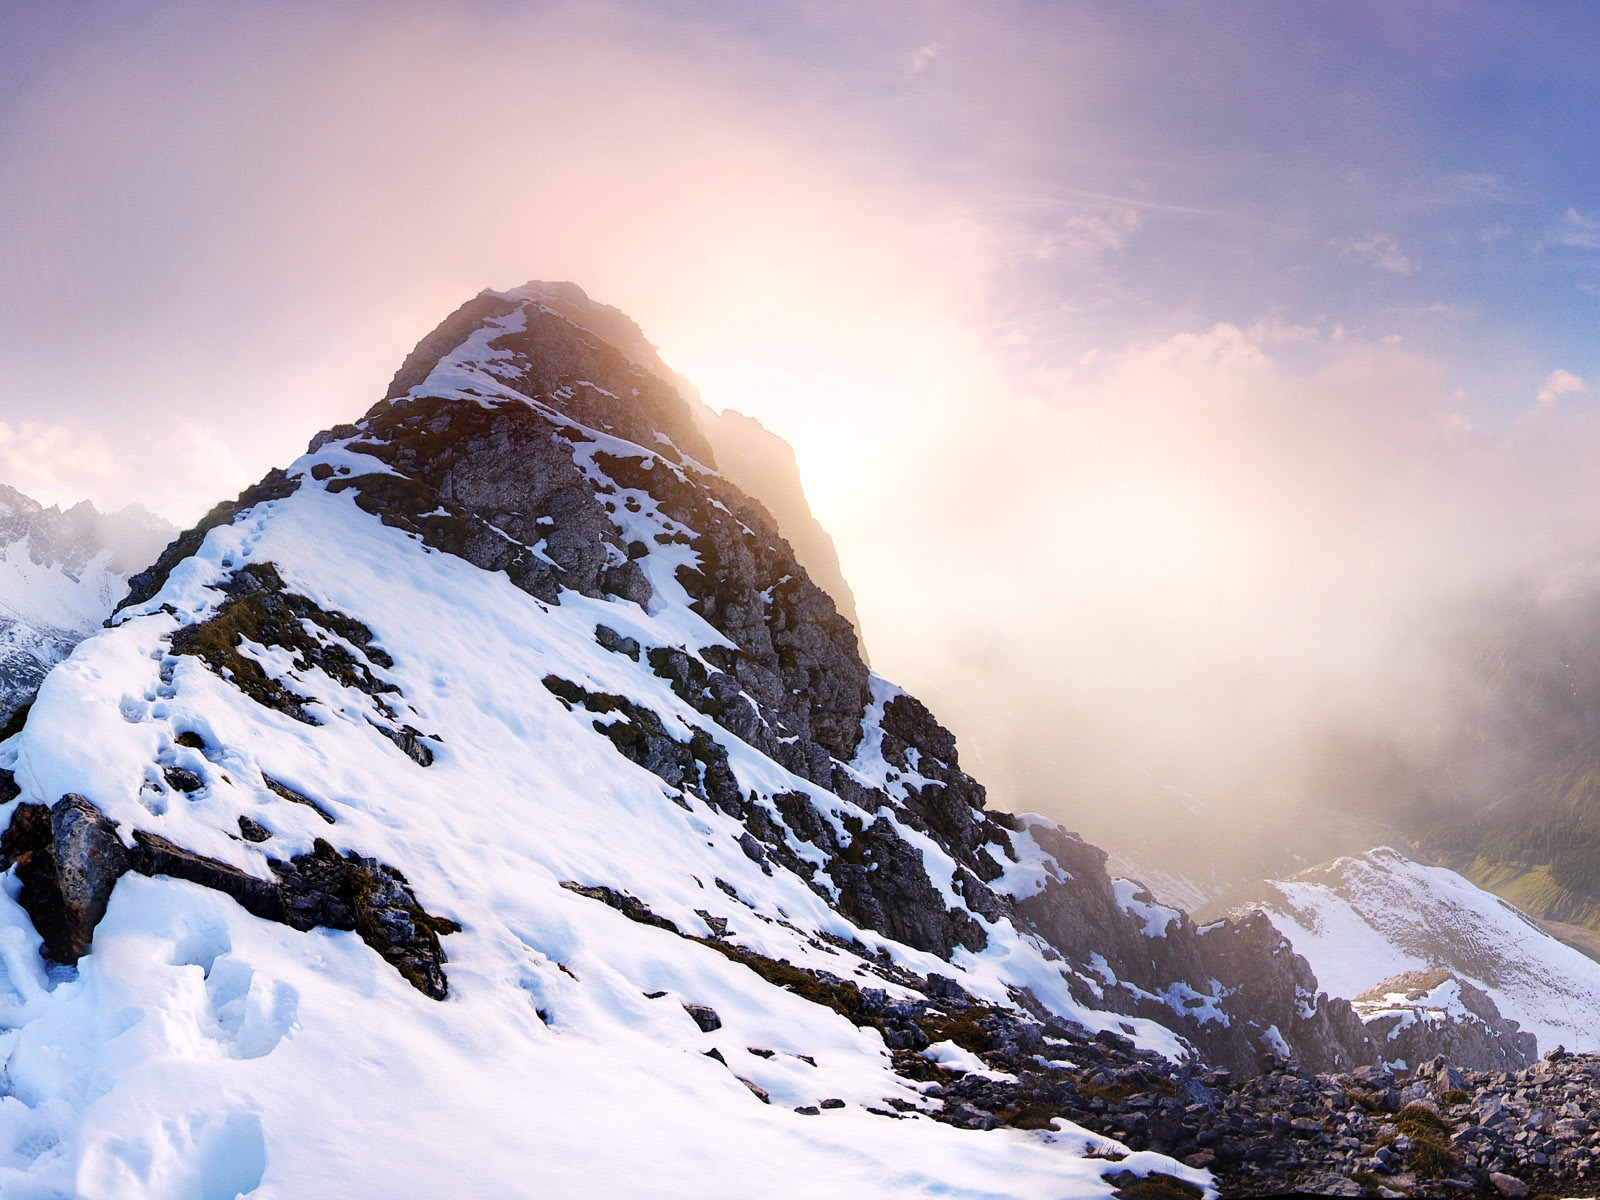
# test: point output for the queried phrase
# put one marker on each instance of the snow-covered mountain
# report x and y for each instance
(61, 573)
(490, 803)
(1362, 919)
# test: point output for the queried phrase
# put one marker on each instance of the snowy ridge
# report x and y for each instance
(266, 1007)
(461, 724)
(1437, 1004)
(1362, 919)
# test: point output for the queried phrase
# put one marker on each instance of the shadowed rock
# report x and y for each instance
(69, 858)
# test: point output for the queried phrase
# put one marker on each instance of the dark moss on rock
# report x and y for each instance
(260, 609)
(69, 857)
(276, 485)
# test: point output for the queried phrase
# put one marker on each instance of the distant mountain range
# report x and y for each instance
(61, 574)
(1365, 918)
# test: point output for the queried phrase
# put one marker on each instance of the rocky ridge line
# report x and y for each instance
(521, 443)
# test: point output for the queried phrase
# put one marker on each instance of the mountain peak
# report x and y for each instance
(611, 324)
(498, 760)
(514, 346)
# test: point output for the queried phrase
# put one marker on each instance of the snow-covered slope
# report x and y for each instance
(489, 805)
(61, 573)
(551, 1055)
(1362, 919)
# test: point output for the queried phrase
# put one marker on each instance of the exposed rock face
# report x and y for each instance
(1371, 916)
(69, 858)
(749, 456)
(884, 885)
(1422, 1014)
(1235, 989)
(523, 489)
(1275, 990)
(760, 463)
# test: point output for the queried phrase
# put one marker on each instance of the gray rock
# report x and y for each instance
(182, 779)
(1443, 1041)
(967, 1116)
(704, 1016)
(1332, 1185)
(89, 859)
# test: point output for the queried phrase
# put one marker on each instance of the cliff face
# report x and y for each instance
(761, 464)
(500, 756)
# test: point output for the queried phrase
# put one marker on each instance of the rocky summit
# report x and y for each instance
(491, 802)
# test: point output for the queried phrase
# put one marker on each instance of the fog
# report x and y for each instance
(1192, 564)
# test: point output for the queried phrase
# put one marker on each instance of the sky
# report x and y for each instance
(1153, 365)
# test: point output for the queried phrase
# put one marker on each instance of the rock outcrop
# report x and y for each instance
(69, 857)
(1424, 1014)
(1235, 988)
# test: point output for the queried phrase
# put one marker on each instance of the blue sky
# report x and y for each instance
(1412, 170)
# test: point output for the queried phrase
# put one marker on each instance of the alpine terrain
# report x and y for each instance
(61, 573)
(491, 803)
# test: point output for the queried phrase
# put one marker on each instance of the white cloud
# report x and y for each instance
(925, 55)
(1558, 384)
(1578, 230)
(1092, 234)
(177, 472)
(1381, 251)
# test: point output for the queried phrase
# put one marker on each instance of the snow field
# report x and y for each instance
(201, 1053)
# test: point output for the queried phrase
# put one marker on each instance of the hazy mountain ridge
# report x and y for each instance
(1502, 781)
(1362, 919)
(61, 573)
(498, 762)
